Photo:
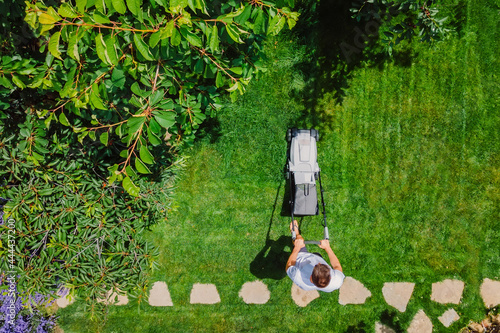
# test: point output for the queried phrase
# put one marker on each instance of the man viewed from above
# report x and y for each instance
(310, 271)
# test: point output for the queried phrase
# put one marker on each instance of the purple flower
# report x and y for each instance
(16, 316)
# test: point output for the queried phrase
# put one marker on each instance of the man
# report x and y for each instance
(310, 271)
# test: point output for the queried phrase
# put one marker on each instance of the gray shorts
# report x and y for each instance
(304, 249)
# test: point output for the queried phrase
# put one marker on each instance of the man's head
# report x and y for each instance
(321, 275)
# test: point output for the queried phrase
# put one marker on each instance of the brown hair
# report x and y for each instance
(321, 275)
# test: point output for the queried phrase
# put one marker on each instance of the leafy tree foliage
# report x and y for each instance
(95, 95)
(402, 19)
(136, 73)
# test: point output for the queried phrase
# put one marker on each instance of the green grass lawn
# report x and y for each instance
(410, 158)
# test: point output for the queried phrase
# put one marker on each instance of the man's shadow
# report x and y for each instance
(270, 262)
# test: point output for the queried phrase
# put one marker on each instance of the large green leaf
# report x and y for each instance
(142, 47)
(134, 6)
(73, 46)
(112, 57)
(130, 187)
(146, 155)
(67, 11)
(100, 47)
(233, 32)
(191, 37)
(104, 138)
(214, 39)
(165, 118)
(54, 45)
(96, 100)
(135, 123)
(119, 6)
(141, 167)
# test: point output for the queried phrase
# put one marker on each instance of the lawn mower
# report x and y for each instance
(302, 171)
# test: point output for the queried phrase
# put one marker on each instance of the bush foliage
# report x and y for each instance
(95, 97)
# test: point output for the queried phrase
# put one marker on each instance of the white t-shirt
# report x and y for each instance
(301, 272)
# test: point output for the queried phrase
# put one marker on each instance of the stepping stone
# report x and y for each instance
(159, 295)
(255, 293)
(398, 294)
(353, 292)
(447, 291)
(381, 328)
(449, 317)
(121, 299)
(204, 294)
(112, 298)
(420, 323)
(302, 297)
(490, 292)
(65, 299)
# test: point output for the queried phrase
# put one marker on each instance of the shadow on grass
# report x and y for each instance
(270, 262)
(337, 45)
(390, 319)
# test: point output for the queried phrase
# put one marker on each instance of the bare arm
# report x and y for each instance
(299, 243)
(334, 261)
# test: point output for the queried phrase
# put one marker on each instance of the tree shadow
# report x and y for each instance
(337, 44)
(390, 320)
(270, 262)
(361, 327)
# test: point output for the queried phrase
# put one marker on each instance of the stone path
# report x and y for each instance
(396, 294)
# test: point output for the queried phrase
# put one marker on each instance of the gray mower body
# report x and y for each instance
(303, 170)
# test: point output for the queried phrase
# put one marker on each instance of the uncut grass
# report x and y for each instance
(410, 167)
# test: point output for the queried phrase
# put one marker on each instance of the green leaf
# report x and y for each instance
(67, 11)
(153, 138)
(80, 4)
(130, 187)
(100, 18)
(130, 171)
(63, 120)
(118, 78)
(146, 155)
(168, 30)
(259, 25)
(104, 138)
(73, 46)
(156, 97)
(17, 81)
(54, 45)
(134, 6)
(175, 39)
(233, 33)
(50, 17)
(166, 119)
(236, 70)
(154, 39)
(219, 80)
(214, 39)
(142, 47)
(140, 166)
(111, 51)
(96, 100)
(233, 87)
(100, 47)
(192, 38)
(119, 6)
(276, 25)
(135, 123)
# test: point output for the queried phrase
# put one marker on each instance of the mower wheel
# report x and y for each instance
(289, 135)
(315, 134)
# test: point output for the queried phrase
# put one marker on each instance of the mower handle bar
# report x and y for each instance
(327, 236)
